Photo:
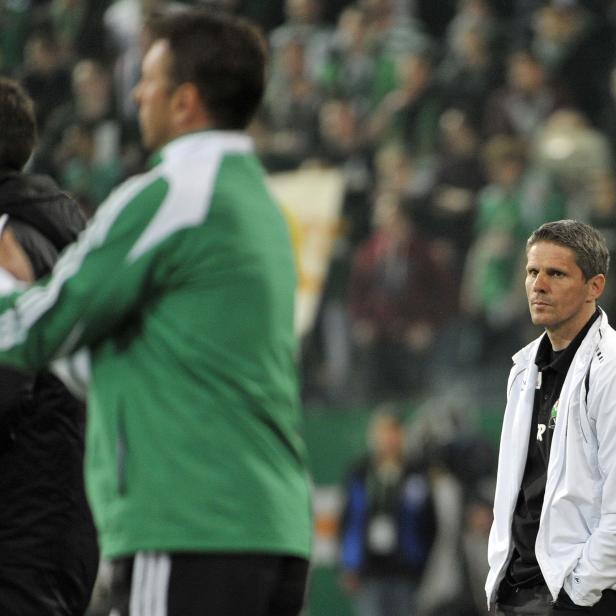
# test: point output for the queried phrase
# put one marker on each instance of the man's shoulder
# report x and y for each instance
(135, 188)
(605, 350)
(608, 335)
(602, 364)
(527, 353)
(196, 164)
(601, 371)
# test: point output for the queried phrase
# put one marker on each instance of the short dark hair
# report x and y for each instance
(17, 125)
(223, 55)
(591, 252)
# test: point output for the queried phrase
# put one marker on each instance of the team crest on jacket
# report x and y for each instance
(553, 416)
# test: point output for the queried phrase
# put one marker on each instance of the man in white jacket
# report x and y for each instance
(552, 546)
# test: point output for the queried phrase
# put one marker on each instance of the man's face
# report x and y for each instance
(559, 298)
(153, 95)
(388, 438)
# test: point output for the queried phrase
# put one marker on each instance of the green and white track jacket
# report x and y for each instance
(182, 289)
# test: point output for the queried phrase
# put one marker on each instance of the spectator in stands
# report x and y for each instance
(398, 297)
(290, 115)
(577, 49)
(46, 74)
(409, 115)
(447, 211)
(524, 102)
(469, 71)
(15, 19)
(394, 29)
(607, 117)
(349, 70)
(340, 145)
(93, 104)
(328, 352)
(302, 26)
(577, 155)
(388, 525)
(89, 178)
(79, 27)
(472, 16)
(603, 218)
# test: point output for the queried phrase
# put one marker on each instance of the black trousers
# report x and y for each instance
(202, 584)
(537, 601)
(39, 592)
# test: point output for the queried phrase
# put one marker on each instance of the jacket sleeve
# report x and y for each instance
(93, 288)
(595, 571)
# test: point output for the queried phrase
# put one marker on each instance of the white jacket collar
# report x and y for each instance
(596, 332)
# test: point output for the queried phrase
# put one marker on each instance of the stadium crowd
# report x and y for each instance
(459, 127)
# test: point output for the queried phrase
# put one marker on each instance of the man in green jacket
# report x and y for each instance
(180, 293)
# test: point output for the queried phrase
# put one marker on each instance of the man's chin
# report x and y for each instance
(539, 319)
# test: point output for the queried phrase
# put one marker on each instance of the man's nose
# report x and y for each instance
(540, 282)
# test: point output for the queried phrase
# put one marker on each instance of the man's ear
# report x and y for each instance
(187, 107)
(596, 285)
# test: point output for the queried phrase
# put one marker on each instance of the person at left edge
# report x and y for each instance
(48, 547)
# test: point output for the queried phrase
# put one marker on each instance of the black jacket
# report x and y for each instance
(45, 522)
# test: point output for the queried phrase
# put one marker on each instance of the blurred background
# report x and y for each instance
(413, 145)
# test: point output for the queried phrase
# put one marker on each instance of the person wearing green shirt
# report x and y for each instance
(179, 296)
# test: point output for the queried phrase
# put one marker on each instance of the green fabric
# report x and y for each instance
(183, 289)
(384, 78)
(422, 139)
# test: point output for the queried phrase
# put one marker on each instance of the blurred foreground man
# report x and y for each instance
(181, 290)
(552, 547)
(48, 548)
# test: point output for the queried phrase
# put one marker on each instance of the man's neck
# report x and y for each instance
(562, 337)
(559, 343)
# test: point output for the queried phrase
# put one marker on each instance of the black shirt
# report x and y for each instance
(553, 366)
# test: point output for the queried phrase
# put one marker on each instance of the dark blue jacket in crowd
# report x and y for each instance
(412, 514)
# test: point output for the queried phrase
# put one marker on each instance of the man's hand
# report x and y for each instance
(13, 257)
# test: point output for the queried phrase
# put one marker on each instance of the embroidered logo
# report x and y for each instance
(553, 416)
